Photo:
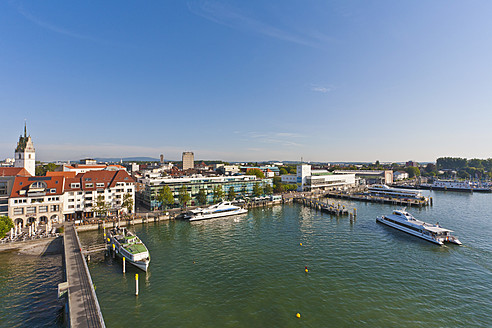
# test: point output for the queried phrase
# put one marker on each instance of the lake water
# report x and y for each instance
(248, 271)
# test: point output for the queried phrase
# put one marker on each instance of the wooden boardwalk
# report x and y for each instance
(84, 308)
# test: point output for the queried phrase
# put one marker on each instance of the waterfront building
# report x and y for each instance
(188, 160)
(7, 177)
(36, 199)
(371, 176)
(25, 154)
(82, 190)
(243, 186)
(314, 180)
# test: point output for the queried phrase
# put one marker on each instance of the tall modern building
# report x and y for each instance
(25, 155)
(188, 160)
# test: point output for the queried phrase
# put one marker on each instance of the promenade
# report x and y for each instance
(84, 308)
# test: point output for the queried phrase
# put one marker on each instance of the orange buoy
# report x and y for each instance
(298, 315)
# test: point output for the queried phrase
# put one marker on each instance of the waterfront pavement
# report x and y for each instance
(83, 305)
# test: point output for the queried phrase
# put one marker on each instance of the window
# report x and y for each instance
(18, 211)
(36, 200)
(71, 206)
(70, 200)
(55, 208)
(43, 209)
(100, 191)
(88, 198)
(87, 179)
(3, 188)
(89, 185)
(79, 193)
(100, 185)
(75, 185)
(88, 205)
(31, 210)
(129, 190)
(53, 190)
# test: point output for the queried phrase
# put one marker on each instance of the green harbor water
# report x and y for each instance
(249, 271)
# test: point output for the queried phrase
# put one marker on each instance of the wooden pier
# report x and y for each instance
(83, 307)
(333, 209)
(383, 200)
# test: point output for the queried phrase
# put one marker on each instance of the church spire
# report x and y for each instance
(25, 128)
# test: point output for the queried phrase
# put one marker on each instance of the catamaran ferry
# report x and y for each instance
(404, 221)
(215, 211)
(384, 190)
(128, 245)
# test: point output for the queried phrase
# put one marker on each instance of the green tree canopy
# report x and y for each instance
(101, 207)
(165, 197)
(283, 171)
(218, 193)
(259, 173)
(257, 190)
(5, 225)
(202, 197)
(184, 196)
(412, 171)
(231, 195)
(268, 189)
(127, 202)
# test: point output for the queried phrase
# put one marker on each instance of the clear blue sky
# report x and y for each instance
(248, 80)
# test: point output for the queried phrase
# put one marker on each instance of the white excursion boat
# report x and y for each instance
(215, 211)
(384, 190)
(404, 221)
(452, 185)
(128, 245)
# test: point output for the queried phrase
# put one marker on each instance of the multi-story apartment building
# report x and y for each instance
(7, 178)
(36, 199)
(242, 184)
(82, 191)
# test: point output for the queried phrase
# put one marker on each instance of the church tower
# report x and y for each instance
(25, 155)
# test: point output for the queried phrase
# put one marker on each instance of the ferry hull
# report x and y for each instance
(217, 215)
(409, 231)
(142, 265)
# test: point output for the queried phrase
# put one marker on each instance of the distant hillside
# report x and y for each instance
(127, 159)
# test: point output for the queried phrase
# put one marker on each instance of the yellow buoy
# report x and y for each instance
(298, 315)
(306, 270)
(300, 244)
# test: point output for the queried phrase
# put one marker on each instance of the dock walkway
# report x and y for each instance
(84, 308)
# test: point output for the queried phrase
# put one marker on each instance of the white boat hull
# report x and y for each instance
(142, 265)
(217, 215)
(381, 219)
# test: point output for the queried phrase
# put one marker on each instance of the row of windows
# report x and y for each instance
(36, 200)
(34, 210)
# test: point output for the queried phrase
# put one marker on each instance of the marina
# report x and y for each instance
(250, 270)
(259, 260)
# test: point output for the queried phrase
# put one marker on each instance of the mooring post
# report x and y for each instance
(124, 264)
(136, 284)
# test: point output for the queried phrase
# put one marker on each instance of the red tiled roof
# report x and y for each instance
(14, 171)
(109, 178)
(23, 183)
(65, 174)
